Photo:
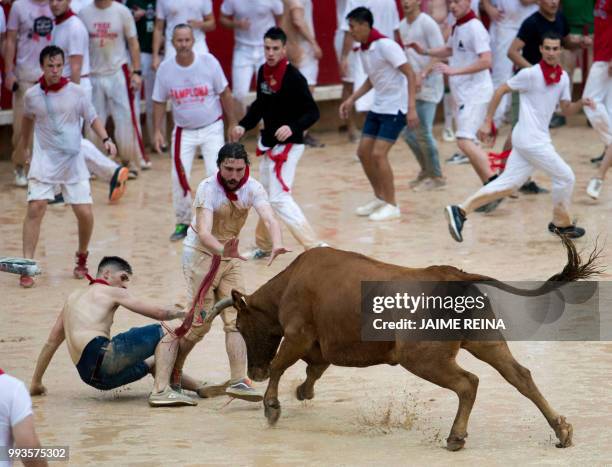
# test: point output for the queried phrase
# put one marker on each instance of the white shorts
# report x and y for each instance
(469, 118)
(309, 67)
(74, 193)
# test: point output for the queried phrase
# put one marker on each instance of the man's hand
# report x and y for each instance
(155, 62)
(586, 42)
(283, 133)
(345, 108)
(136, 82)
(494, 13)
(588, 102)
(230, 249)
(344, 66)
(485, 132)
(138, 13)
(277, 251)
(418, 81)
(159, 141)
(242, 24)
(110, 147)
(236, 133)
(444, 69)
(416, 46)
(37, 389)
(10, 81)
(195, 24)
(318, 53)
(412, 119)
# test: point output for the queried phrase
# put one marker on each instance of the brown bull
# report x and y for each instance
(314, 304)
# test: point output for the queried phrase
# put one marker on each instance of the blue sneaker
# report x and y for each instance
(456, 218)
(180, 232)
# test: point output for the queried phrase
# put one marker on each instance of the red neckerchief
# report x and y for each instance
(64, 16)
(53, 87)
(273, 75)
(374, 36)
(95, 281)
(231, 194)
(552, 74)
(464, 19)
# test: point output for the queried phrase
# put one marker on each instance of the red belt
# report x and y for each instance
(278, 159)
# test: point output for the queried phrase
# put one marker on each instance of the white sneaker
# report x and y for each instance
(385, 213)
(448, 135)
(20, 178)
(594, 187)
(370, 207)
(145, 165)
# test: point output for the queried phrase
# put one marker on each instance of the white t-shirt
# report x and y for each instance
(15, 406)
(260, 14)
(182, 11)
(468, 41)
(193, 90)
(57, 156)
(78, 5)
(514, 12)
(425, 31)
(108, 28)
(71, 36)
(380, 62)
(33, 22)
(537, 104)
(210, 195)
(386, 16)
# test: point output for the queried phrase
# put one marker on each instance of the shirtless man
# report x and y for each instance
(105, 363)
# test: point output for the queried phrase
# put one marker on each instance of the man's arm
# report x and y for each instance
(27, 127)
(99, 130)
(514, 54)
(309, 110)
(126, 300)
(267, 216)
(9, 59)
(492, 11)
(55, 339)
(296, 15)
(347, 105)
(134, 49)
(207, 23)
(159, 110)
(158, 34)
(484, 132)
(76, 63)
(437, 52)
(25, 437)
(204, 222)
(253, 116)
(569, 108)
(347, 46)
(227, 102)
(483, 63)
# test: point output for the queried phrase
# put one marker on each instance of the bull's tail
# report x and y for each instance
(574, 270)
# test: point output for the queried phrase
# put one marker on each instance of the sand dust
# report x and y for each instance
(378, 415)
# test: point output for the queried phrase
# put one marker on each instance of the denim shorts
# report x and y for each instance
(384, 126)
(107, 364)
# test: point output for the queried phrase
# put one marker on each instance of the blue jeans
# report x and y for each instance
(107, 364)
(421, 140)
(383, 126)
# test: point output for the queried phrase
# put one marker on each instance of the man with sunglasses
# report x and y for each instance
(104, 363)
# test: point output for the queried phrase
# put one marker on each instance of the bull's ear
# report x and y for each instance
(239, 299)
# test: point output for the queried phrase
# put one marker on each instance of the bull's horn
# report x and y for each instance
(219, 307)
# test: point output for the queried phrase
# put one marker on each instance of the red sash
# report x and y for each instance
(180, 170)
(278, 159)
(126, 73)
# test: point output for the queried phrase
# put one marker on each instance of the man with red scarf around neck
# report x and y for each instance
(211, 260)
(107, 363)
(287, 108)
(541, 88)
(53, 110)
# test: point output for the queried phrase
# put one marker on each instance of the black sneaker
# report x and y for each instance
(59, 199)
(489, 207)
(571, 231)
(557, 121)
(532, 188)
(312, 142)
(456, 218)
(180, 232)
(597, 160)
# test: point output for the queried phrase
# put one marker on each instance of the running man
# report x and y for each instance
(394, 83)
(200, 95)
(287, 108)
(211, 261)
(53, 110)
(107, 363)
(541, 88)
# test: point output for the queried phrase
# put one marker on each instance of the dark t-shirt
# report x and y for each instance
(146, 24)
(533, 28)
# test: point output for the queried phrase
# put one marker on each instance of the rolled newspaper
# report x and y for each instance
(22, 266)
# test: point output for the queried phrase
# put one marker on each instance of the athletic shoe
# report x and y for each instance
(421, 176)
(80, 270)
(489, 207)
(164, 148)
(431, 184)
(257, 253)
(212, 389)
(58, 199)
(170, 398)
(133, 174)
(594, 187)
(118, 184)
(571, 231)
(532, 188)
(458, 158)
(26, 281)
(313, 142)
(244, 390)
(20, 178)
(597, 160)
(180, 232)
(146, 165)
(456, 218)
(557, 121)
(369, 207)
(448, 135)
(385, 213)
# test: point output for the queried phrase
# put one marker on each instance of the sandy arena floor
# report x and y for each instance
(380, 415)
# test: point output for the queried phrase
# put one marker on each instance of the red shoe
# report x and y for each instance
(26, 281)
(81, 265)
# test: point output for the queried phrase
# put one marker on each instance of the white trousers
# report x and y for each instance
(599, 88)
(501, 38)
(282, 201)
(521, 164)
(209, 139)
(245, 64)
(111, 98)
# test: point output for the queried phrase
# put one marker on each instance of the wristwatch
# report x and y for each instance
(137, 72)
(106, 140)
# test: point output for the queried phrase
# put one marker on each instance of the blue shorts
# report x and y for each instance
(384, 126)
(107, 364)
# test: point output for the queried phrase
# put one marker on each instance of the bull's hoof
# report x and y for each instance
(454, 443)
(304, 394)
(564, 432)
(272, 411)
